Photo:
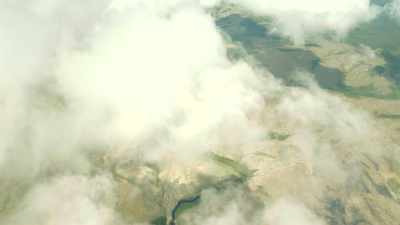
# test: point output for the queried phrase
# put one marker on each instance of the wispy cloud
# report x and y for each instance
(152, 78)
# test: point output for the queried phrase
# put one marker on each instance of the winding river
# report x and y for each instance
(181, 203)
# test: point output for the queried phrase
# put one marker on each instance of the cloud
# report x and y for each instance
(102, 62)
(393, 9)
(298, 20)
(151, 78)
(291, 212)
(301, 19)
(85, 201)
(313, 107)
(192, 92)
(148, 80)
(325, 128)
(32, 33)
(236, 207)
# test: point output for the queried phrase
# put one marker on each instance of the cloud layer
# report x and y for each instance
(82, 82)
(301, 19)
(179, 102)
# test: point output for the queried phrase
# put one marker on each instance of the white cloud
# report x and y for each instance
(394, 9)
(300, 19)
(31, 35)
(290, 212)
(69, 200)
(161, 75)
(151, 75)
(296, 19)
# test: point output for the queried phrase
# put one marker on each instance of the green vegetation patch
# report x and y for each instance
(372, 92)
(162, 220)
(238, 168)
(278, 136)
(392, 116)
(394, 186)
